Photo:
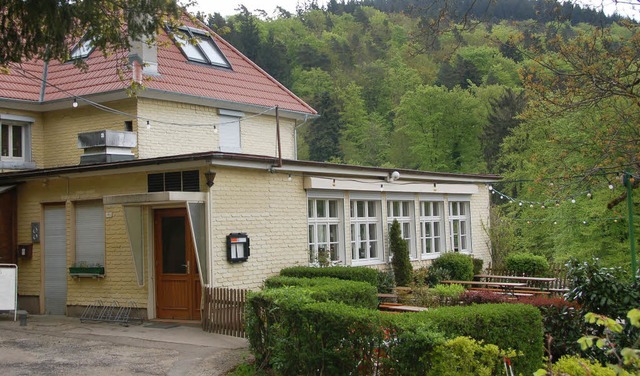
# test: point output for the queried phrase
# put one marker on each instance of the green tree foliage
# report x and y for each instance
(503, 117)
(323, 133)
(49, 29)
(443, 128)
(401, 264)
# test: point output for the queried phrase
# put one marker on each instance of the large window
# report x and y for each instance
(431, 227)
(90, 238)
(460, 226)
(324, 230)
(402, 211)
(198, 46)
(365, 231)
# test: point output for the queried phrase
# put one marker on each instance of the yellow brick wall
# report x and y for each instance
(272, 211)
(120, 282)
(61, 128)
(179, 128)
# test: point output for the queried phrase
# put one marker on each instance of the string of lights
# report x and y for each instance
(77, 98)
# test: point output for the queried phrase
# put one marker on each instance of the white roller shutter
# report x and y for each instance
(55, 260)
(90, 245)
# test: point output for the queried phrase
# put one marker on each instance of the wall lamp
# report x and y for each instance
(210, 176)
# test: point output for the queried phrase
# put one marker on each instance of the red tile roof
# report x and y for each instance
(245, 83)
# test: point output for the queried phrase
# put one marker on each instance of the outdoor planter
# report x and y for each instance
(87, 271)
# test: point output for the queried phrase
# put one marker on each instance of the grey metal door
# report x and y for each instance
(55, 260)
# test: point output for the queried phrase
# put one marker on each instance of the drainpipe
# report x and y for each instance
(278, 137)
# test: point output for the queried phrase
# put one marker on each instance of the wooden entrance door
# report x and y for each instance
(8, 232)
(178, 291)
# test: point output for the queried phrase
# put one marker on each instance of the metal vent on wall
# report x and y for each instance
(185, 181)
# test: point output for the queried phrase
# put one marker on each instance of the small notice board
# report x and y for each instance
(9, 288)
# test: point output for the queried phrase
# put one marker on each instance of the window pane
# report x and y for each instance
(372, 231)
(334, 252)
(436, 229)
(373, 250)
(333, 209)
(454, 208)
(361, 213)
(311, 234)
(322, 210)
(212, 53)
(311, 206)
(361, 250)
(352, 209)
(463, 208)
(333, 233)
(363, 232)
(406, 230)
(322, 234)
(436, 209)
(192, 52)
(17, 141)
(396, 208)
(5, 140)
(371, 208)
(406, 208)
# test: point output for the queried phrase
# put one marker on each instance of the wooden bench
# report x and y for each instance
(397, 307)
(391, 298)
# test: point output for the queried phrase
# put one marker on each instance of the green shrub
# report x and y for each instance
(386, 281)
(477, 266)
(508, 326)
(353, 293)
(576, 366)
(526, 264)
(465, 356)
(360, 273)
(435, 274)
(458, 266)
(439, 295)
(400, 262)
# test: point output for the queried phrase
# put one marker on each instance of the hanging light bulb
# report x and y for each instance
(610, 186)
(589, 195)
(543, 206)
(491, 187)
(289, 177)
(75, 103)
(573, 200)
(555, 222)
(520, 203)
(148, 125)
(530, 205)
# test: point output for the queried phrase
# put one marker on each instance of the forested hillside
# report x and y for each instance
(541, 92)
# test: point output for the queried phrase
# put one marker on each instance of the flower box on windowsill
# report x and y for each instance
(87, 271)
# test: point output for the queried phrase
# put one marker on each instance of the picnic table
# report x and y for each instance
(396, 307)
(536, 285)
(510, 288)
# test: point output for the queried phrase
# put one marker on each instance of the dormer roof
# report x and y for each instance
(243, 82)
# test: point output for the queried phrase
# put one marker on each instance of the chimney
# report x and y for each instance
(145, 53)
(106, 146)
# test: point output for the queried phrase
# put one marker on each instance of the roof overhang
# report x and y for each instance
(154, 198)
(246, 161)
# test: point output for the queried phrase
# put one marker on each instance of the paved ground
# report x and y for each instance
(58, 345)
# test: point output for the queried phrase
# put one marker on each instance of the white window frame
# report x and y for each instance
(90, 233)
(11, 127)
(404, 215)
(320, 221)
(82, 49)
(430, 220)
(460, 220)
(370, 237)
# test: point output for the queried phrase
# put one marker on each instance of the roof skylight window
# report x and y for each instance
(82, 49)
(198, 46)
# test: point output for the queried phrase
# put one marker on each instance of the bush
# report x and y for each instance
(526, 264)
(436, 274)
(576, 366)
(465, 356)
(439, 295)
(400, 262)
(477, 265)
(386, 281)
(508, 326)
(360, 273)
(458, 266)
(563, 324)
(353, 293)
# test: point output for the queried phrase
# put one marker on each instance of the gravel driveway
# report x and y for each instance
(57, 345)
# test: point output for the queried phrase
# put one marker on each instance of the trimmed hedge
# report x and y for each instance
(458, 266)
(509, 326)
(296, 335)
(353, 293)
(527, 264)
(351, 273)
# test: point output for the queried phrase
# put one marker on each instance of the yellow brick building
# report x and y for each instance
(193, 182)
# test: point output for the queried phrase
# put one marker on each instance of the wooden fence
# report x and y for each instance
(223, 311)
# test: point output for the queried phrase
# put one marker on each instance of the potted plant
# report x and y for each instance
(84, 268)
